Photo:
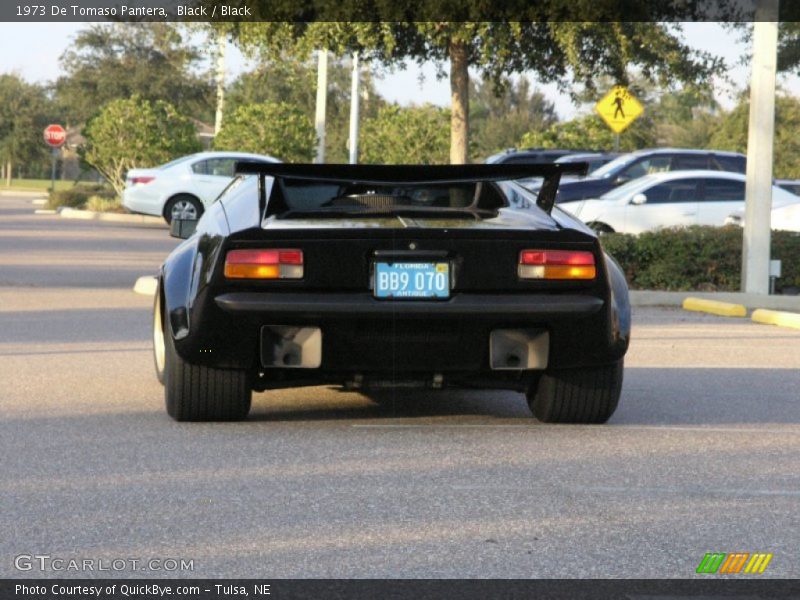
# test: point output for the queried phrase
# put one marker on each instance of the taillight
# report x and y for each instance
(264, 264)
(556, 264)
(141, 180)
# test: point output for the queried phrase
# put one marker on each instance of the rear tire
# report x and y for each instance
(600, 228)
(587, 395)
(183, 206)
(200, 393)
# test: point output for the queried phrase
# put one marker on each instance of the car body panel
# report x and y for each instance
(179, 177)
(617, 211)
(785, 214)
(631, 166)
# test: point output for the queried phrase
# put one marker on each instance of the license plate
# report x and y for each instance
(412, 280)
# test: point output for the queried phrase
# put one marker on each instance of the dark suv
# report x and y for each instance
(528, 156)
(643, 162)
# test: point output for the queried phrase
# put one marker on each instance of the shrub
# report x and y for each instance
(78, 196)
(134, 132)
(101, 204)
(696, 258)
(277, 129)
(411, 134)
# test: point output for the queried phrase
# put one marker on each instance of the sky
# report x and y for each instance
(32, 51)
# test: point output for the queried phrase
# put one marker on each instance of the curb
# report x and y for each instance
(89, 215)
(776, 317)
(714, 307)
(641, 298)
(45, 211)
(23, 193)
(145, 285)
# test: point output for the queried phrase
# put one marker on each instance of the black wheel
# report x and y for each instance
(200, 393)
(159, 351)
(600, 228)
(183, 206)
(577, 395)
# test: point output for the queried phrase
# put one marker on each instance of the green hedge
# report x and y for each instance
(696, 258)
(77, 196)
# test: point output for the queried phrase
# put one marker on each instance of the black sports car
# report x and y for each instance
(373, 277)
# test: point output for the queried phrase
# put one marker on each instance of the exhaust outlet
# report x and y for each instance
(518, 349)
(289, 347)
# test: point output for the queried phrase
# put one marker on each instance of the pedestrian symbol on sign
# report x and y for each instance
(619, 108)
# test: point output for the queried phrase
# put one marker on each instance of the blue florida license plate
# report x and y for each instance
(412, 280)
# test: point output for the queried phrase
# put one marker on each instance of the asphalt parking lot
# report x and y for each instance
(702, 455)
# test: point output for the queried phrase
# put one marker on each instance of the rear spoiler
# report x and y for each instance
(405, 174)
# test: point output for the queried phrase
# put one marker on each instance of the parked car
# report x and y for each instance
(785, 213)
(374, 277)
(595, 160)
(528, 156)
(790, 185)
(644, 162)
(676, 198)
(184, 187)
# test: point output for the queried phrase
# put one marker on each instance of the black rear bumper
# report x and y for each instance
(287, 305)
(399, 339)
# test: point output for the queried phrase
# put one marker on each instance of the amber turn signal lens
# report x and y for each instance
(264, 264)
(556, 264)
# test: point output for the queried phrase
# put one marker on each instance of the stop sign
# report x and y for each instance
(55, 135)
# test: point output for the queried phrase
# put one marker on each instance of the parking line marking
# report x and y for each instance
(435, 425)
(686, 490)
(541, 427)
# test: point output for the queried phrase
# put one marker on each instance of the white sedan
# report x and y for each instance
(785, 214)
(668, 199)
(183, 188)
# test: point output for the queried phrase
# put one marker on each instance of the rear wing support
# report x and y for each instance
(414, 174)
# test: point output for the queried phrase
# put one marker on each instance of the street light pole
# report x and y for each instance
(222, 42)
(760, 136)
(322, 97)
(354, 110)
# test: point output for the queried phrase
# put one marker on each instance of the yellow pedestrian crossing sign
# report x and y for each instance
(619, 108)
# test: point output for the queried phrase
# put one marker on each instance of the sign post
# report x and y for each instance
(55, 136)
(619, 108)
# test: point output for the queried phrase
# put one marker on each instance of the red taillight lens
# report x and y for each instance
(264, 264)
(556, 264)
(141, 180)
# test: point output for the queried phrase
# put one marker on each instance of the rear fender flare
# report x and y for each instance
(176, 281)
(620, 303)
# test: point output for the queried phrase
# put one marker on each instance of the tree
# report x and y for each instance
(118, 60)
(557, 43)
(685, 118)
(135, 132)
(500, 120)
(294, 81)
(401, 135)
(24, 112)
(731, 133)
(588, 132)
(276, 129)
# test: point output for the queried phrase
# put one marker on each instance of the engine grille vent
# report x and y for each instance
(368, 200)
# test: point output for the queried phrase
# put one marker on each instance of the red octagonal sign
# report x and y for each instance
(55, 135)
